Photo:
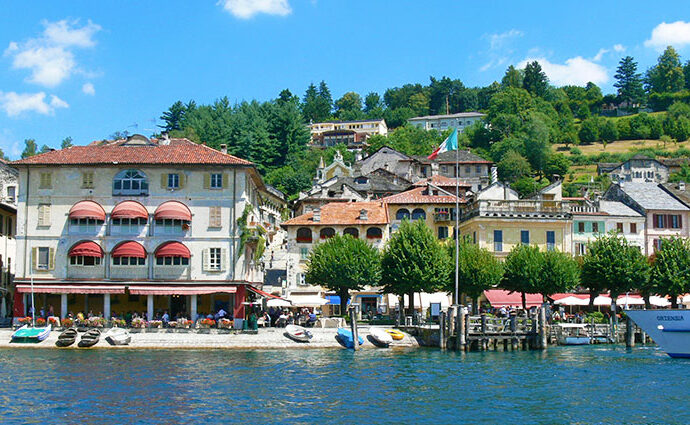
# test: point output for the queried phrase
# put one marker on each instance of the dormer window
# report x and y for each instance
(361, 180)
(130, 182)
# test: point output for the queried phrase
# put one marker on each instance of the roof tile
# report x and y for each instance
(339, 213)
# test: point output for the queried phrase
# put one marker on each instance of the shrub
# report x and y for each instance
(598, 317)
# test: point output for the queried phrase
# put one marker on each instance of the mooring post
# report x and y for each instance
(353, 328)
(442, 330)
(483, 340)
(543, 336)
(452, 314)
(629, 333)
(513, 330)
(462, 337)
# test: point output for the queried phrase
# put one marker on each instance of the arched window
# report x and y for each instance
(304, 235)
(402, 214)
(327, 232)
(172, 254)
(418, 213)
(374, 233)
(352, 232)
(130, 182)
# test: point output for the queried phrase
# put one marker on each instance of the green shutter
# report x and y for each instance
(225, 180)
(164, 181)
(207, 181)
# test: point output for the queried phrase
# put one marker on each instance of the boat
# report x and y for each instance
(118, 336)
(670, 329)
(31, 334)
(67, 338)
(90, 338)
(381, 337)
(396, 335)
(572, 334)
(298, 333)
(345, 336)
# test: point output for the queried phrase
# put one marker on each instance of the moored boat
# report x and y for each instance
(31, 334)
(298, 333)
(381, 337)
(670, 329)
(345, 336)
(118, 336)
(90, 338)
(396, 335)
(67, 338)
(572, 334)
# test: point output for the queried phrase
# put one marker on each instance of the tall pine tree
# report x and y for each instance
(629, 81)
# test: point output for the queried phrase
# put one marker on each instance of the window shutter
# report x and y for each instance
(183, 180)
(207, 181)
(225, 180)
(205, 259)
(34, 258)
(51, 259)
(223, 259)
(164, 181)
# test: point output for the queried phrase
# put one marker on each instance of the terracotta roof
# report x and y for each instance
(420, 195)
(441, 181)
(177, 151)
(339, 213)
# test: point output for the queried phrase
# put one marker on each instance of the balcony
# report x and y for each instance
(444, 214)
(518, 208)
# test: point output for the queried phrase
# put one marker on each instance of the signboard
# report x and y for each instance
(435, 309)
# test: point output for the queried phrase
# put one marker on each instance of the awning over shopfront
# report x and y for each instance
(335, 299)
(129, 249)
(173, 210)
(502, 298)
(71, 289)
(181, 290)
(264, 294)
(87, 209)
(172, 249)
(86, 249)
(129, 209)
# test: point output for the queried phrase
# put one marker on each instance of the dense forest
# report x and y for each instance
(525, 116)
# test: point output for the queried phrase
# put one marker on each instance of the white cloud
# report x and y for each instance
(496, 41)
(88, 89)
(245, 9)
(618, 48)
(16, 103)
(49, 57)
(575, 71)
(675, 34)
(499, 48)
(600, 54)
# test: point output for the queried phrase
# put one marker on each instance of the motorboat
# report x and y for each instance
(67, 338)
(90, 338)
(31, 334)
(381, 337)
(670, 329)
(572, 334)
(118, 336)
(396, 335)
(345, 336)
(298, 333)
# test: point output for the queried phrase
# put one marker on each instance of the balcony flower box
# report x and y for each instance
(304, 240)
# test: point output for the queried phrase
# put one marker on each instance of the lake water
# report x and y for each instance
(595, 384)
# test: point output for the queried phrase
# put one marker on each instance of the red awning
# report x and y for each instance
(129, 249)
(172, 249)
(501, 298)
(71, 289)
(262, 293)
(86, 249)
(129, 209)
(173, 210)
(87, 209)
(184, 290)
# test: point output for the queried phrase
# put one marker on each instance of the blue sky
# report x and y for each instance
(88, 68)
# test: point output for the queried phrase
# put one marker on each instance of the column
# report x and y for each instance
(106, 306)
(193, 307)
(63, 306)
(149, 307)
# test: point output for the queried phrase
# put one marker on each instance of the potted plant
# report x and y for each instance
(155, 324)
(138, 324)
(67, 323)
(25, 321)
(225, 324)
(40, 322)
(54, 321)
(205, 325)
(118, 323)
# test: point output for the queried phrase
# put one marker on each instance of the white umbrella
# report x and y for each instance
(629, 300)
(572, 300)
(686, 299)
(278, 302)
(307, 301)
(602, 300)
(659, 301)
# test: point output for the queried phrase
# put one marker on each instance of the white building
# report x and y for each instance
(8, 220)
(443, 122)
(351, 133)
(590, 221)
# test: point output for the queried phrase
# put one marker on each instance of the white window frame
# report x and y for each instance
(81, 261)
(173, 181)
(128, 178)
(129, 261)
(216, 181)
(169, 226)
(84, 225)
(127, 226)
(215, 259)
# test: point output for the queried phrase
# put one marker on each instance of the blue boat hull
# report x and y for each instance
(345, 335)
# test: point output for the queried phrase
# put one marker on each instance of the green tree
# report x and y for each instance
(373, 106)
(556, 165)
(349, 107)
(310, 104)
(30, 148)
(512, 77)
(667, 75)
(535, 80)
(559, 273)
(173, 117)
(478, 269)
(629, 81)
(66, 143)
(670, 274)
(612, 264)
(413, 261)
(589, 130)
(343, 264)
(521, 271)
(608, 132)
(513, 166)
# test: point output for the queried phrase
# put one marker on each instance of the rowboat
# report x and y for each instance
(381, 337)
(67, 338)
(118, 336)
(90, 338)
(297, 333)
(396, 335)
(31, 334)
(345, 336)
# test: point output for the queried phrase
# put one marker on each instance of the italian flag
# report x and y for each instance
(450, 144)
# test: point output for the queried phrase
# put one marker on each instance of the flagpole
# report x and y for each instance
(457, 215)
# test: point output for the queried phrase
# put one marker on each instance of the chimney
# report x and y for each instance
(494, 174)
(224, 148)
(317, 214)
(362, 214)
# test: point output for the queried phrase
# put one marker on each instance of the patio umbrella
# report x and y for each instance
(659, 301)
(629, 300)
(572, 300)
(602, 300)
(278, 302)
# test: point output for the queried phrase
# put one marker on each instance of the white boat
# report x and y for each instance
(670, 329)
(572, 334)
(298, 333)
(381, 337)
(118, 336)
(31, 334)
